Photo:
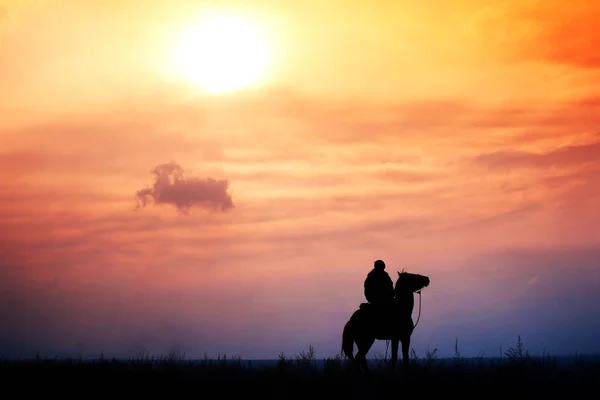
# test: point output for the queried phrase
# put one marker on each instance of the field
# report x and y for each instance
(303, 376)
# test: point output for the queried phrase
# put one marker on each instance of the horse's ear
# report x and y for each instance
(398, 273)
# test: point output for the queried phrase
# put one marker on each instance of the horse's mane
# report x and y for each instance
(399, 277)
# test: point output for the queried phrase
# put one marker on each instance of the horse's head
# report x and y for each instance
(411, 282)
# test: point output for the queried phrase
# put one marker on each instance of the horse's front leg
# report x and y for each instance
(394, 359)
(405, 348)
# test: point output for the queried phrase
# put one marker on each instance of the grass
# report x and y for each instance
(299, 377)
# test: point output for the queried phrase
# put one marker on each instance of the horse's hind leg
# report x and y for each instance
(364, 345)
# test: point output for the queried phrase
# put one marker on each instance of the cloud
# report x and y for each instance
(452, 124)
(562, 157)
(170, 187)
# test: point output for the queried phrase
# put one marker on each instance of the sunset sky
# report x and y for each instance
(141, 213)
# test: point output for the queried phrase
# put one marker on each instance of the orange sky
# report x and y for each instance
(456, 139)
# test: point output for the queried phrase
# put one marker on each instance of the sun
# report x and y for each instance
(222, 53)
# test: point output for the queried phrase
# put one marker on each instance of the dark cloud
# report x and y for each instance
(170, 187)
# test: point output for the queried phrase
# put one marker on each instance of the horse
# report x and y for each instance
(391, 322)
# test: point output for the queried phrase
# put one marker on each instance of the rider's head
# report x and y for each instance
(380, 265)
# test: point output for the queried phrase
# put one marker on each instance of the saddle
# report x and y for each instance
(379, 315)
(376, 307)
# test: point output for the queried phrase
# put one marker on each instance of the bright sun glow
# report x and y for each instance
(222, 53)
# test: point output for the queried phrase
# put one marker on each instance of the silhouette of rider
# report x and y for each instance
(379, 287)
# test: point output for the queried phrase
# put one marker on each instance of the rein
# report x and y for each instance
(419, 317)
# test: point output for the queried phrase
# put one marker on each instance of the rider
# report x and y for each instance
(379, 287)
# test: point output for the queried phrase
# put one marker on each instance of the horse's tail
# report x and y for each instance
(348, 340)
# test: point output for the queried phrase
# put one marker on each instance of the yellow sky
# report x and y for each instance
(68, 52)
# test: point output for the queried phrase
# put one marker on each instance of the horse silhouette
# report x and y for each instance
(384, 322)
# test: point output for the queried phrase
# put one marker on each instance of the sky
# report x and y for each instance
(454, 139)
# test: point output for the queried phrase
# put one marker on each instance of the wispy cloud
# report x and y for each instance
(562, 157)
